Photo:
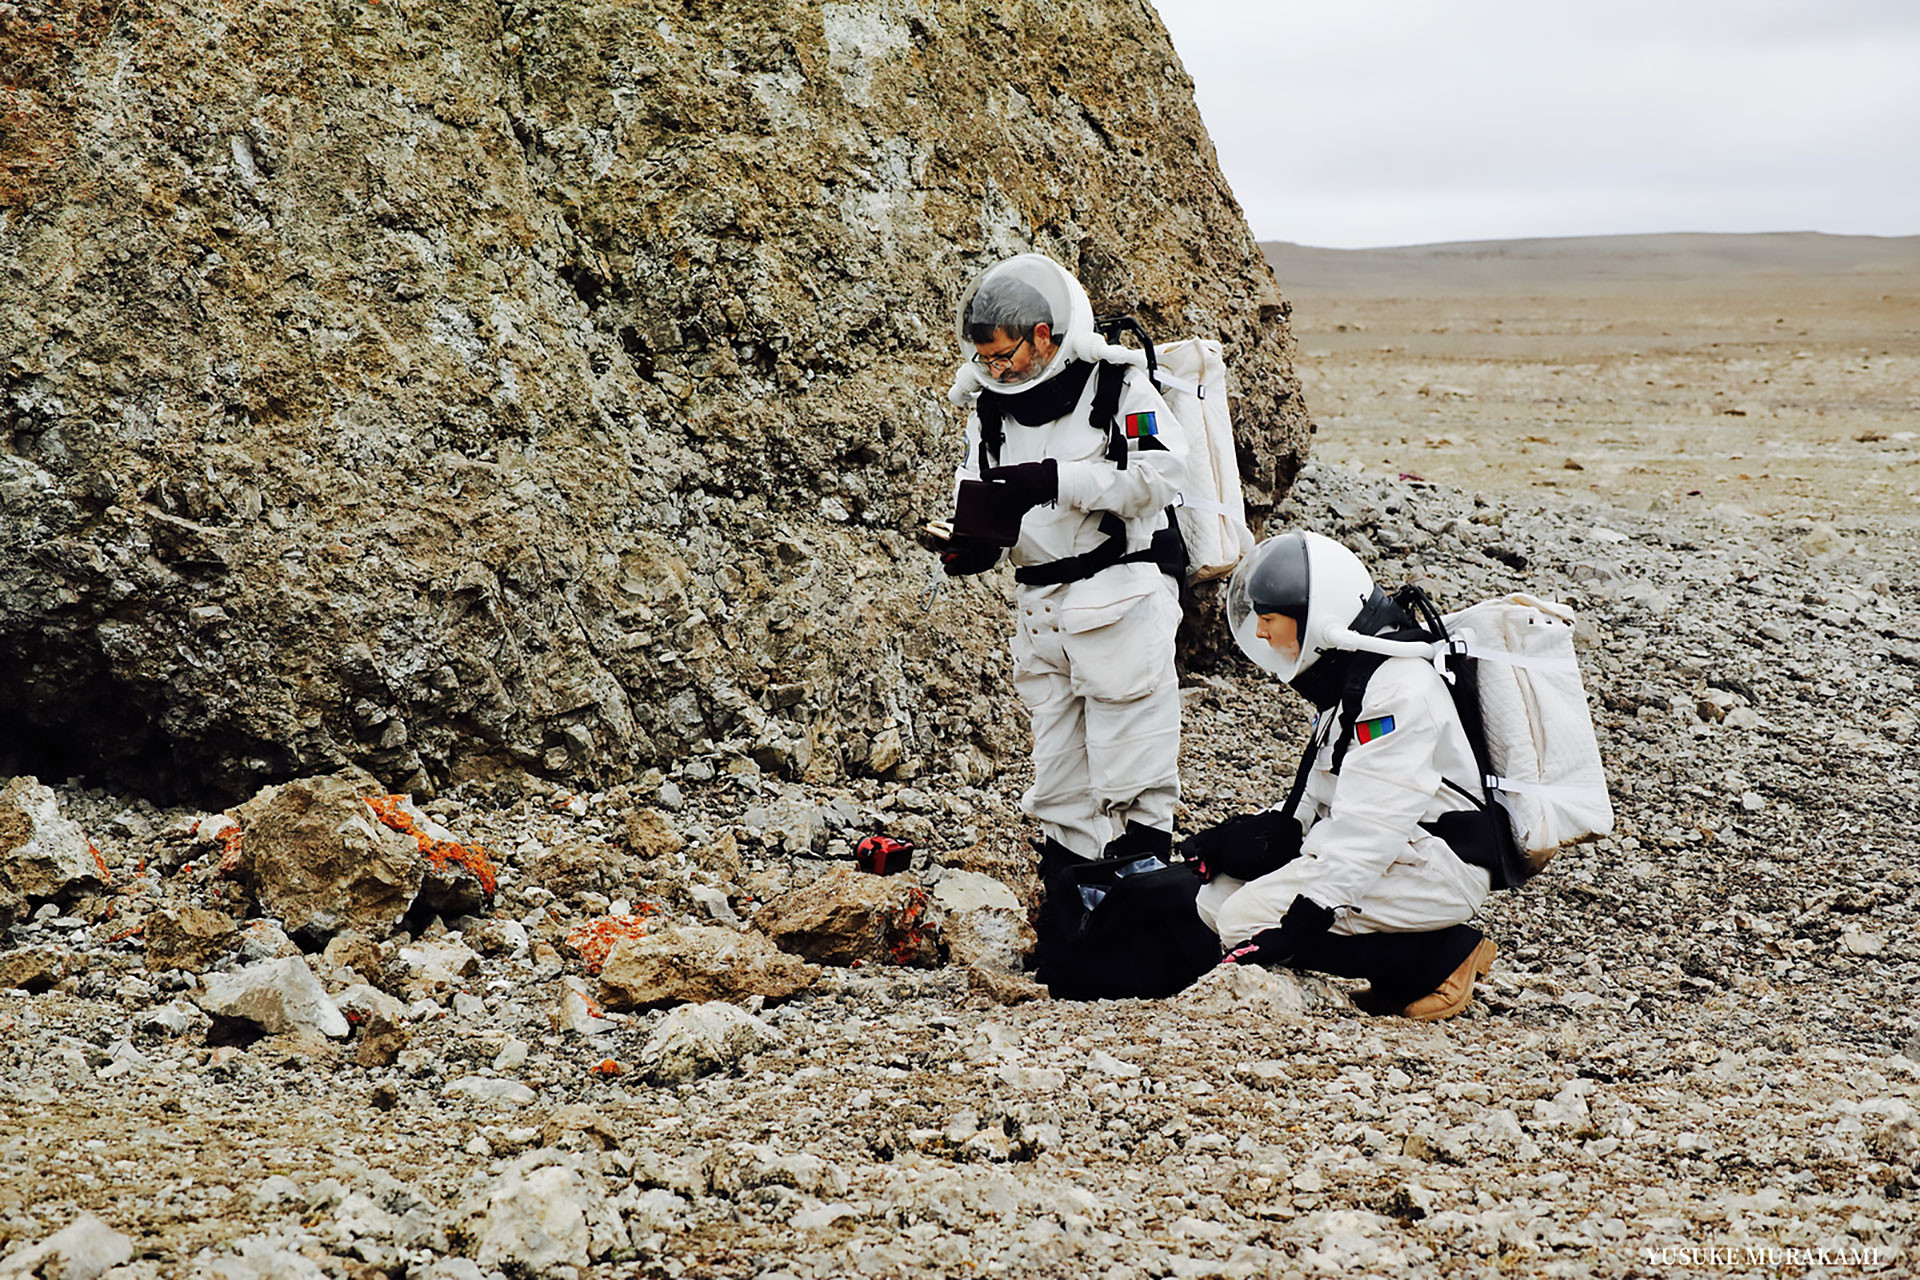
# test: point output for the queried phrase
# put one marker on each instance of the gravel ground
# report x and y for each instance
(1696, 1054)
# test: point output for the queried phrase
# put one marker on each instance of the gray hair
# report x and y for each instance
(1012, 305)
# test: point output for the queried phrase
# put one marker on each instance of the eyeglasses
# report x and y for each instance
(1003, 361)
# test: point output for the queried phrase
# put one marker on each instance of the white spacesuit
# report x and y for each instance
(1351, 852)
(1363, 852)
(1088, 486)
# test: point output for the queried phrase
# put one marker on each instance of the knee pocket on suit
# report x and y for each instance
(1037, 689)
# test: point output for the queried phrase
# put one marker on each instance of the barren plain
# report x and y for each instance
(1777, 373)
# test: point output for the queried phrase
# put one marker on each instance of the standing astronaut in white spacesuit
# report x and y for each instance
(1072, 459)
(1347, 875)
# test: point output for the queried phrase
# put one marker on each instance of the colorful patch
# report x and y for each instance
(1367, 730)
(1141, 424)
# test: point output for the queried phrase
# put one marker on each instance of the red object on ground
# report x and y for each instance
(883, 855)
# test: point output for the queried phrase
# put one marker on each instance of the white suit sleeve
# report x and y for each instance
(1152, 476)
(1385, 786)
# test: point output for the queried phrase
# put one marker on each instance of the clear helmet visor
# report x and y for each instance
(1014, 318)
(1243, 619)
(1296, 571)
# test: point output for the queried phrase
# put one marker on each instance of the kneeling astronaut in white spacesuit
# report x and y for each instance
(1347, 875)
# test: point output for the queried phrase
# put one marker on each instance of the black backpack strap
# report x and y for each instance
(1106, 410)
(1428, 628)
(1106, 413)
(1109, 381)
(1290, 807)
(1167, 550)
(1348, 715)
(993, 430)
(1484, 836)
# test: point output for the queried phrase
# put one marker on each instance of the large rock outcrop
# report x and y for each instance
(432, 386)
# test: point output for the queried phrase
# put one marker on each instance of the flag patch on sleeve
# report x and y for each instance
(1367, 730)
(1141, 424)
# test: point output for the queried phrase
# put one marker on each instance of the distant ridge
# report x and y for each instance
(1553, 264)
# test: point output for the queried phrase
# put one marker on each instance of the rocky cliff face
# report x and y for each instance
(437, 387)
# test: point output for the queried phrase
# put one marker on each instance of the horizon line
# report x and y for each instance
(1603, 235)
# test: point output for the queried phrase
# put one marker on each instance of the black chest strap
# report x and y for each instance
(1167, 550)
(1074, 568)
(1109, 381)
(993, 430)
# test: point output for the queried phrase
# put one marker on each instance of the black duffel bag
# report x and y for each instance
(1119, 928)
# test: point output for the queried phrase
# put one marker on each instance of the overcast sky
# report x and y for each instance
(1351, 123)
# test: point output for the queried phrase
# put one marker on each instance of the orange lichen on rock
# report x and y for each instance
(229, 841)
(438, 853)
(595, 940)
(910, 940)
(470, 856)
(100, 862)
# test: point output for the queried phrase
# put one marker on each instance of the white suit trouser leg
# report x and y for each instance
(1105, 707)
(1414, 896)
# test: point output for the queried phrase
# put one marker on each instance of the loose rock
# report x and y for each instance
(696, 1039)
(546, 1213)
(189, 937)
(691, 963)
(43, 854)
(317, 857)
(275, 995)
(849, 917)
(82, 1250)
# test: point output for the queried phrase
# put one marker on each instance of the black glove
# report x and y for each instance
(1246, 846)
(963, 556)
(1025, 485)
(1305, 920)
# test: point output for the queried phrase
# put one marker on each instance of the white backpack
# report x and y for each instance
(1212, 512)
(1543, 759)
(1510, 669)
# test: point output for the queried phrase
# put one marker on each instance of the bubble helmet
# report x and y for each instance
(1310, 578)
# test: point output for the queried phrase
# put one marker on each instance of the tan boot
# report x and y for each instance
(1452, 995)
